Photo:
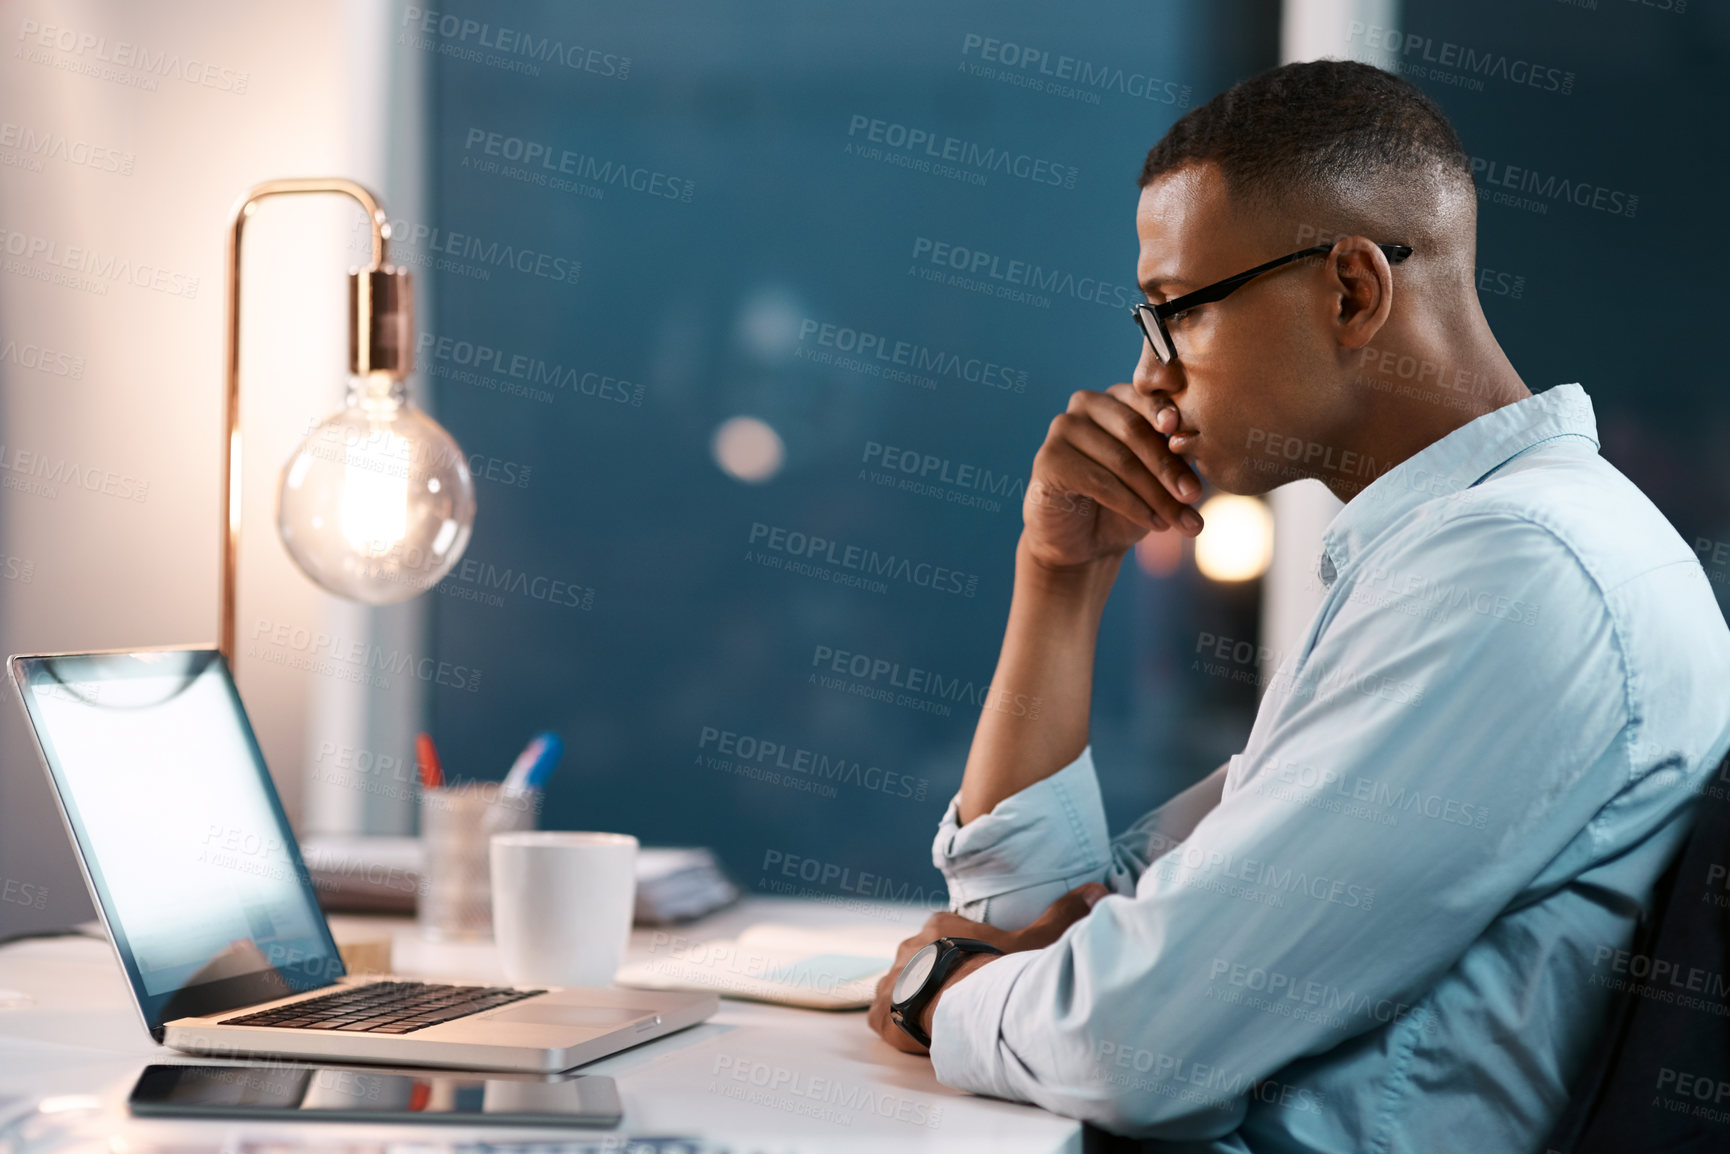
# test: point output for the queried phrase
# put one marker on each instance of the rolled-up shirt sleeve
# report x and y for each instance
(1005, 867)
(1285, 923)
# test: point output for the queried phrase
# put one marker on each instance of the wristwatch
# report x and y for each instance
(923, 976)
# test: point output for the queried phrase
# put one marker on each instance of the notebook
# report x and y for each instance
(831, 968)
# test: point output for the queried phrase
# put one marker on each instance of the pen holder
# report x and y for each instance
(456, 825)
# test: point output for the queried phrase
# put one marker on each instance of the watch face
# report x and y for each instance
(913, 975)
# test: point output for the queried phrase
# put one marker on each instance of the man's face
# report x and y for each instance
(1252, 365)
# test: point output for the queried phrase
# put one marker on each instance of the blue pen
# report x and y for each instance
(552, 749)
(535, 763)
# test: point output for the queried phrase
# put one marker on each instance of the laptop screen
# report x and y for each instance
(180, 829)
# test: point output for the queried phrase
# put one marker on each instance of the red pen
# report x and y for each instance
(431, 775)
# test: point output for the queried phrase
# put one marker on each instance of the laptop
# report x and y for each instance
(200, 884)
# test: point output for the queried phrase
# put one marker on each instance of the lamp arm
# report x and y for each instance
(231, 459)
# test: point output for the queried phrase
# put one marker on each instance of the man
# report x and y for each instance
(1393, 922)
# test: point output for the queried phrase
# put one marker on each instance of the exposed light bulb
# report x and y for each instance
(400, 490)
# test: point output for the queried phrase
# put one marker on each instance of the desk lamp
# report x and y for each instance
(377, 503)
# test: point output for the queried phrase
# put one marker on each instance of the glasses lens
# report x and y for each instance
(1155, 334)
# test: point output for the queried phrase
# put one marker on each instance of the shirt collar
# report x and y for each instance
(1457, 461)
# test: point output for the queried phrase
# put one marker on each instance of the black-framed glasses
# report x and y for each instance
(1151, 317)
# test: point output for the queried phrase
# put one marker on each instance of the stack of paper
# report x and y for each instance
(364, 875)
(675, 885)
(382, 875)
(833, 968)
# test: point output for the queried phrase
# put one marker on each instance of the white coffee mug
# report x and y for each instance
(562, 905)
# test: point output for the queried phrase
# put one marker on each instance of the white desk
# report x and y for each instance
(80, 1036)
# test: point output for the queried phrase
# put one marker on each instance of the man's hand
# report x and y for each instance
(1103, 479)
(1047, 928)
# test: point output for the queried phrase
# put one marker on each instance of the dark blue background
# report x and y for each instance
(701, 303)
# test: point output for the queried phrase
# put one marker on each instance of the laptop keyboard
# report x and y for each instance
(384, 1008)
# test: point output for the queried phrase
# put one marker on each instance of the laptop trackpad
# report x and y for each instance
(562, 1014)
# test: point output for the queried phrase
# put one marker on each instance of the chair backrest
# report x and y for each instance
(1659, 1080)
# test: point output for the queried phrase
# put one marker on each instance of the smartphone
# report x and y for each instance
(336, 1094)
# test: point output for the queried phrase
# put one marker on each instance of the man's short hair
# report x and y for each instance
(1316, 135)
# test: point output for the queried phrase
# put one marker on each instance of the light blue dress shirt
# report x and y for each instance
(1399, 928)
